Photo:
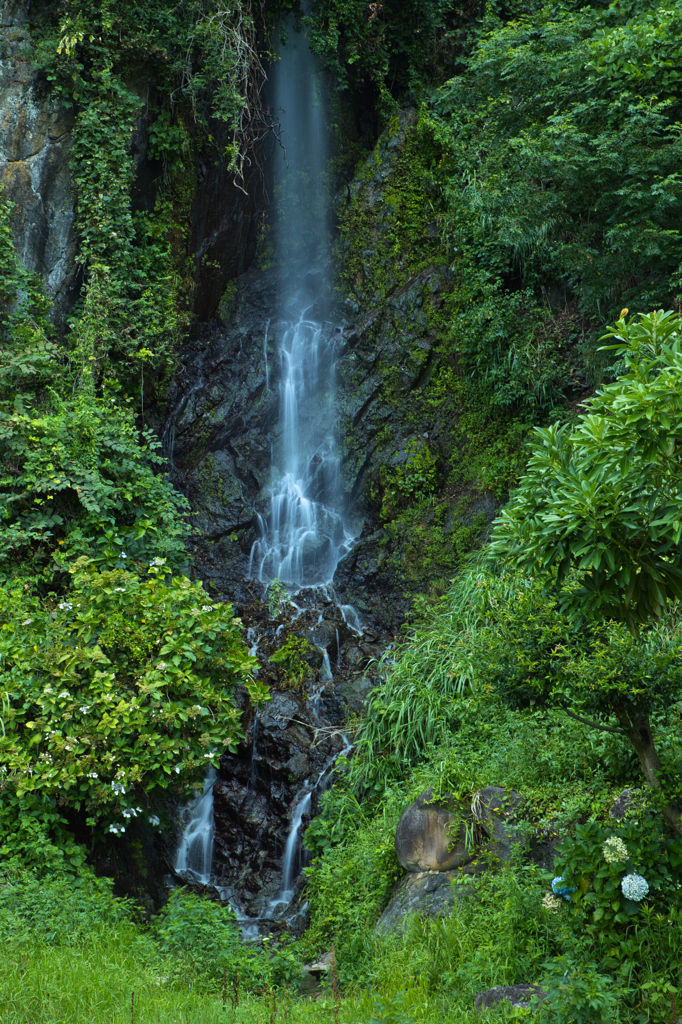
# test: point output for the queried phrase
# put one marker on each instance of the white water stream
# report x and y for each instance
(194, 856)
(304, 534)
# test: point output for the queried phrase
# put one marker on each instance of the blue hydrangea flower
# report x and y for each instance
(634, 887)
(559, 887)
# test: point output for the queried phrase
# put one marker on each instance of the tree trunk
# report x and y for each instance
(638, 731)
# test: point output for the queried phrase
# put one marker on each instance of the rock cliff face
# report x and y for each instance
(225, 418)
(35, 143)
(35, 136)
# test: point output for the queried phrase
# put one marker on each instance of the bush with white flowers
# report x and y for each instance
(634, 887)
(615, 850)
(140, 696)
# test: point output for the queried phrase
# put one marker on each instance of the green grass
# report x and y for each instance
(93, 982)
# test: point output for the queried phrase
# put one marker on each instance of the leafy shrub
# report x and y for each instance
(203, 937)
(118, 693)
(578, 993)
(602, 908)
(294, 658)
(59, 910)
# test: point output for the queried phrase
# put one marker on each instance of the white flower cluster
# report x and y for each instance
(156, 563)
(153, 820)
(120, 590)
(93, 775)
(634, 887)
(116, 829)
(64, 695)
(550, 902)
(161, 666)
(118, 787)
(132, 812)
(207, 607)
(66, 606)
(123, 555)
(614, 850)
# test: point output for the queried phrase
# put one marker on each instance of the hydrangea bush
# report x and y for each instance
(117, 694)
(609, 874)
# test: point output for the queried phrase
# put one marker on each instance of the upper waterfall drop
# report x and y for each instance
(304, 535)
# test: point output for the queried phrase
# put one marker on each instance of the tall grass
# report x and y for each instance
(426, 674)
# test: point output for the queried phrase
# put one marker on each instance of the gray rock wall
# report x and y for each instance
(35, 137)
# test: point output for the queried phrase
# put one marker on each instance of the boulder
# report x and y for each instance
(517, 995)
(426, 894)
(313, 973)
(431, 835)
(622, 804)
(495, 809)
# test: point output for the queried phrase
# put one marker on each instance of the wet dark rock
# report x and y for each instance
(255, 792)
(518, 995)
(354, 690)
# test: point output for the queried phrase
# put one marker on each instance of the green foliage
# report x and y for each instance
(203, 940)
(391, 1010)
(130, 312)
(530, 132)
(603, 912)
(604, 495)
(579, 993)
(400, 47)
(77, 475)
(294, 656)
(414, 479)
(116, 694)
(278, 597)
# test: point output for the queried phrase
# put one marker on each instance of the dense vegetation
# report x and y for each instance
(539, 182)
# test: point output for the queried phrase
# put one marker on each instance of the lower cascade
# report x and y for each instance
(194, 856)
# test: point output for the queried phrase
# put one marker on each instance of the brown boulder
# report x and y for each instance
(431, 835)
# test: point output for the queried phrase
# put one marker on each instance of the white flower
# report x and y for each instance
(120, 590)
(85, 708)
(161, 666)
(157, 562)
(66, 606)
(116, 829)
(93, 775)
(551, 902)
(123, 555)
(634, 887)
(48, 689)
(153, 820)
(27, 622)
(207, 607)
(177, 769)
(118, 787)
(63, 695)
(614, 850)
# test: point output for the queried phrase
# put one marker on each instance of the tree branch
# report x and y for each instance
(594, 725)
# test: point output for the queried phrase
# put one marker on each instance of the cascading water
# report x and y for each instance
(291, 854)
(194, 857)
(304, 536)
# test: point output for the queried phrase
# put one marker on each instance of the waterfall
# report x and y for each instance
(291, 852)
(194, 856)
(304, 536)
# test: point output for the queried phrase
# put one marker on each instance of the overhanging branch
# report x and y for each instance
(594, 725)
